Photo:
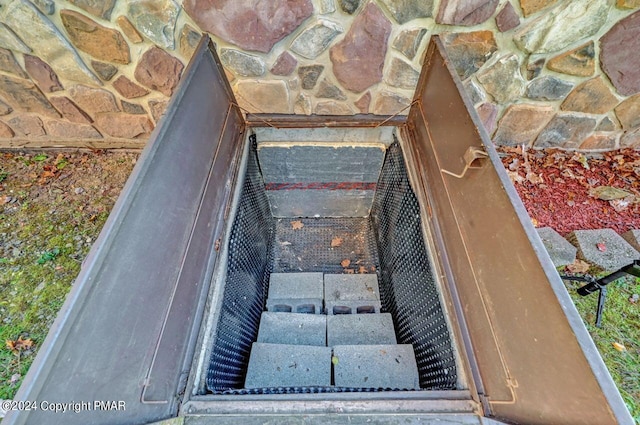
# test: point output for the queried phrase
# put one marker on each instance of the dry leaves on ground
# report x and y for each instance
(297, 225)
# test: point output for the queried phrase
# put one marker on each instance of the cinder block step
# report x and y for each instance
(351, 293)
(279, 365)
(295, 293)
(360, 329)
(375, 366)
(293, 329)
(603, 248)
(559, 249)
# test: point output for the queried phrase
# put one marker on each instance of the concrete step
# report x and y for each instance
(360, 329)
(351, 294)
(375, 366)
(295, 293)
(280, 365)
(293, 329)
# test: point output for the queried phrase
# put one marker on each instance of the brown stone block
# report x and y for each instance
(359, 58)
(125, 126)
(591, 97)
(71, 130)
(530, 7)
(70, 110)
(158, 70)
(9, 65)
(100, 42)
(93, 100)
(27, 125)
(619, 54)
(128, 88)
(42, 74)
(251, 24)
(628, 112)
(465, 12)
(129, 30)
(521, 124)
(579, 61)
(5, 131)
(599, 142)
(469, 51)
(23, 95)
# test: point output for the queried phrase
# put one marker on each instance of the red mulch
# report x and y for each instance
(554, 186)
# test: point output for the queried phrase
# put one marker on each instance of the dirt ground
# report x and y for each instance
(52, 207)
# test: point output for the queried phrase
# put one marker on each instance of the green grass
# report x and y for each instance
(35, 284)
(620, 324)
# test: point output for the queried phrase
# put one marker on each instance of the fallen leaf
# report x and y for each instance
(581, 159)
(335, 242)
(515, 177)
(18, 345)
(349, 271)
(578, 266)
(601, 247)
(362, 270)
(620, 205)
(534, 178)
(285, 243)
(334, 360)
(345, 262)
(4, 199)
(535, 222)
(297, 225)
(619, 347)
(608, 193)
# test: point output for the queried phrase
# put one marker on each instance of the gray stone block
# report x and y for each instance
(633, 238)
(603, 248)
(280, 365)
(360, 329)
(295, 292)
(293, 329)
(559, 249)
(351, 293)
(376, 366)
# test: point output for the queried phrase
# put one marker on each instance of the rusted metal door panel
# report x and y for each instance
(535, 359)
(128, 325)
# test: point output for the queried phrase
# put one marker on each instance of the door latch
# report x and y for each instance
(473, 157)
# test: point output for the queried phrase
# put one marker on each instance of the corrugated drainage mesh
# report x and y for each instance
(407, 286)
(245, 290)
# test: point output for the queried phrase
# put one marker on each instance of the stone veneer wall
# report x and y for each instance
(543, 73)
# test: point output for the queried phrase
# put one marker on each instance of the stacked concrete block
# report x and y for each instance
(294, 349)
(280, 365)
(375, 366)
(360, 329)
(351, 294)
(603, 248)
(295, 293)
(559, 249)
(293, 329)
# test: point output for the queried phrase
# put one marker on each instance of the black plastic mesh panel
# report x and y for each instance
(246, 284)
(309, 249)
(407, 287)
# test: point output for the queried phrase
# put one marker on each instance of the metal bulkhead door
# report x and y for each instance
(530, 355)
(127, 330)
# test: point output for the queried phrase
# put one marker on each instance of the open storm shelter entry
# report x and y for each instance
(314, 270)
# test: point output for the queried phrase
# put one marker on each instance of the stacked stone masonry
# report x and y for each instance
(540, 73)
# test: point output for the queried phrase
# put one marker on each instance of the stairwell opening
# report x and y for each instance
(369, 225)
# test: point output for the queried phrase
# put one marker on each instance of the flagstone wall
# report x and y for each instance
(543, 73)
